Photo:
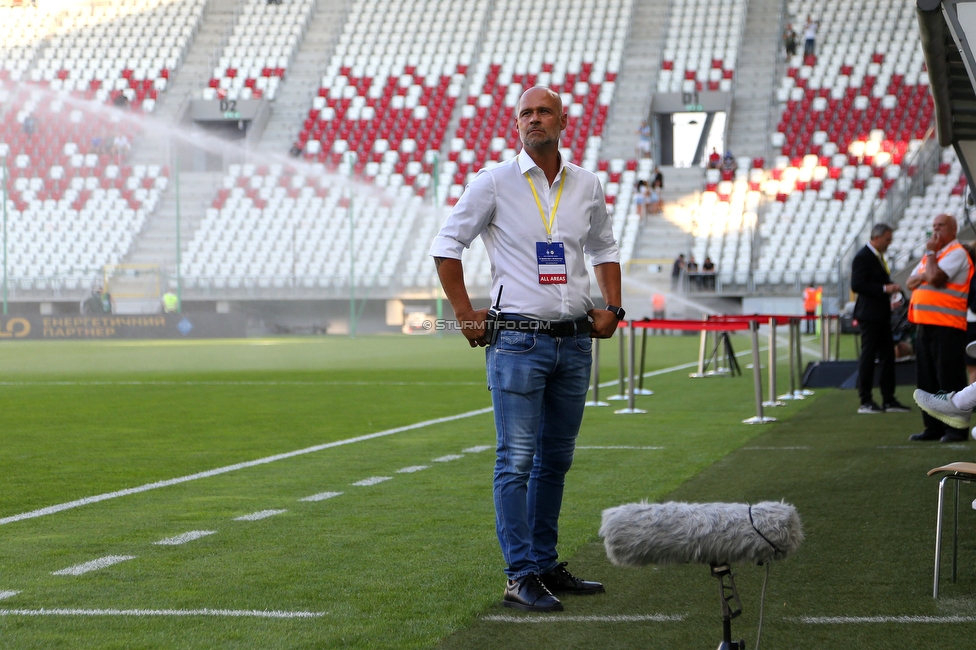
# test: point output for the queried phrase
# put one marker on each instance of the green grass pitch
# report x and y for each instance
(396, 548)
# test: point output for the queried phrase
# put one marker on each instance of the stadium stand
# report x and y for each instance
(416, 97)
(702, 45)
(125, 48)
(74, 205)
(24, 30)
(387, 99)
(257, 53)
(272, 227)
(852, 116)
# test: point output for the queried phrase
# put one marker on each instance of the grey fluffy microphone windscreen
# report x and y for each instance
(708, 533)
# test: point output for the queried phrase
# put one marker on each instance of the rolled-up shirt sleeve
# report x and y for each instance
(600, 244)
(467, 220)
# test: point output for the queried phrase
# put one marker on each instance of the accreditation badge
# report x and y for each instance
(552, 262)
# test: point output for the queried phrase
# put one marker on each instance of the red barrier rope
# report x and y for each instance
(689, 325)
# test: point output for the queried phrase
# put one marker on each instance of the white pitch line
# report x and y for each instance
(256, 613)
(922, 446)
(94, 565)
(556, 618)
(412, 469)
(848, 620)
(620, 447)
(372, 480)
(322, 496)
(478, 449)
(448, 458)
(260, 514)
(8, 594)
(239, 383)
(50, 510)
(184, 538)
(800, 448)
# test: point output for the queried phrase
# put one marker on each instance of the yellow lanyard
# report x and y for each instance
(542, 213)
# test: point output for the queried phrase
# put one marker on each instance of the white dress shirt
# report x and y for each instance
(499, 206)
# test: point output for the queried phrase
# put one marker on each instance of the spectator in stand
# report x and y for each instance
(676, 270)
(642, 198)
(789, 41)
(644, 140)
(654, 203)
(691, 268)
(708, 271)
(29, 126)
(657, 179)
(810, 37)
(940, 290)
(728, 162)
(714, 159)
(121, 146)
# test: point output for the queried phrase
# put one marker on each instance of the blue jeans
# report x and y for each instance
(538, 389)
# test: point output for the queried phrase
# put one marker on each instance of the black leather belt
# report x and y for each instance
(549, 328)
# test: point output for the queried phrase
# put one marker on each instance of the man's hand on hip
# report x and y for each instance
(473, 326)
(604, 323)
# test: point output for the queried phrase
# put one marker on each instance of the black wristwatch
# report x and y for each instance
(617, 311)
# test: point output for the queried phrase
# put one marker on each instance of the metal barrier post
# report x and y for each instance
(622, 394)
(631, 409)
(596, 376)
(757, 378)
(771, 361)
(703, 339)
(824, 339)
(640, 390)
(794, 326)
(836, 337)
(799, 366)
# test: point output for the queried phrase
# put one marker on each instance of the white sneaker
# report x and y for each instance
(940, 406)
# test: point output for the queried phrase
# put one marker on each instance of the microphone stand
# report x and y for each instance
(728, 594)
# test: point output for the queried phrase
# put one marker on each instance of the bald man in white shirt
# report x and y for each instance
(537, 215)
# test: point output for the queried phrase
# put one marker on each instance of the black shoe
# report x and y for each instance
(894, 406)
(954, 435)
(925, 436)
(561, 581)
(530, 595)
(870, 407)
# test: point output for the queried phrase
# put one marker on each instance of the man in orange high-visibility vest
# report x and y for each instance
(940, 288)
(811, 300)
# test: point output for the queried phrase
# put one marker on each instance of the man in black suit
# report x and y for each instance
(871, 280)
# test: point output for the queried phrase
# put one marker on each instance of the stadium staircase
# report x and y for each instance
(752, 101)
(196, 66)
(156, 244)
(665, 235)
(638, 75)
(304, 76)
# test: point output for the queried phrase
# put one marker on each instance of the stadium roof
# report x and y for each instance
(948, 32)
